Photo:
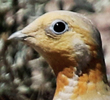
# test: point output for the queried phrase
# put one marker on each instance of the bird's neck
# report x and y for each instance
(71, 82)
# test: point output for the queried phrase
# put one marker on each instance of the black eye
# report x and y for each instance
(58, 27)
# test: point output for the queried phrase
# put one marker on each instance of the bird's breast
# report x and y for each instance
(71, 86)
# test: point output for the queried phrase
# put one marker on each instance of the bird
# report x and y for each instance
(72, 46)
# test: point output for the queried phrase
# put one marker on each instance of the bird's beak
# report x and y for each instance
(18, 35)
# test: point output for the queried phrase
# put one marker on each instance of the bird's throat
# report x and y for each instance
(71, 83)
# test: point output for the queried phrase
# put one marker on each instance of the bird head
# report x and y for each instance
(72, 46)
(63, 38)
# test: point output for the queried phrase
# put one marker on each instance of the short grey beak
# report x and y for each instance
(18, 35)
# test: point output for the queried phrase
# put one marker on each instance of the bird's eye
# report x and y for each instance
(58, 27)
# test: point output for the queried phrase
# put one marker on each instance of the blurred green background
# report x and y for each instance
(24, 74)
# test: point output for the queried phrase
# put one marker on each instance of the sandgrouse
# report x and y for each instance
(72, 46)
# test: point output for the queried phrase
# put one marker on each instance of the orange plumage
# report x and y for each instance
(72, 46)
